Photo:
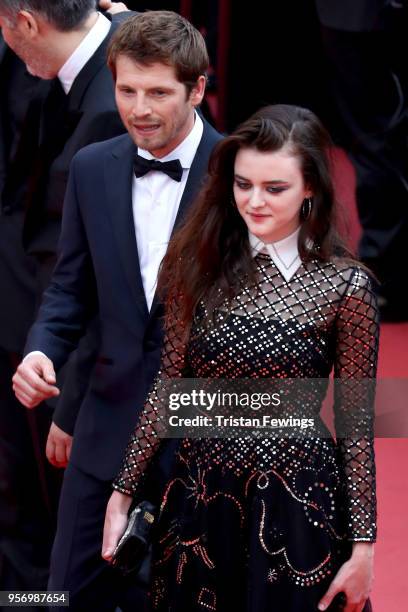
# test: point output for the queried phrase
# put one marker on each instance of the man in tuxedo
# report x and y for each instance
(123, 200)
(65, 42)
(27, 484)
(37, 142)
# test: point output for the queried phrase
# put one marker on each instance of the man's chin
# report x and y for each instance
(32, 70)
(40, 73)
(148, 144)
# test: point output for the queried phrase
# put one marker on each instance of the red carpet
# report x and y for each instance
(390, 592)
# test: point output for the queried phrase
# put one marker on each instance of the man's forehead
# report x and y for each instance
(127, 66)
(144, 65)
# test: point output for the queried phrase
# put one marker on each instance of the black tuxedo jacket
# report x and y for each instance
(87, 114)
(3, 155)
(98, 273)
(18, 91)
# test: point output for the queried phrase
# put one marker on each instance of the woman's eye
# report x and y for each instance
(275, 189)
(242, 185)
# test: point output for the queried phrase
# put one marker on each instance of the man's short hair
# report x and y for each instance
(164, 37)
(64, 15)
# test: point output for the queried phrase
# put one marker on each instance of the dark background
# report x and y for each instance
(260, 53)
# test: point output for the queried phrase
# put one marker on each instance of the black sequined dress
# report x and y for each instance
(262, 525)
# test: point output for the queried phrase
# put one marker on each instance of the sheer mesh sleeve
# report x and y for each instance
(355, 368)
(145, 440)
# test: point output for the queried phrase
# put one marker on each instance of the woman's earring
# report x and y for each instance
(306, 208)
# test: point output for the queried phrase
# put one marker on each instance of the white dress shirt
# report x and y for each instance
(156, 199)
(284, 253)
(83, 53)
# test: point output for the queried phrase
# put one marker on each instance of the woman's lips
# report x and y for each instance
(258, 217)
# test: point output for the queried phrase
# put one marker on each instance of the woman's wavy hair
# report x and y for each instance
(211, 250)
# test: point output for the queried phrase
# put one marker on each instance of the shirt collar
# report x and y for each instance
(186, 150)
(83, 53)
(284, 253)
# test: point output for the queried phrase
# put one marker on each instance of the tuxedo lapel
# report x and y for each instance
(53, 128)
(84, 79)
(118, 178)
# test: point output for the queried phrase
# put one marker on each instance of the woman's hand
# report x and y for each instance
(354, 579)
(116, 519)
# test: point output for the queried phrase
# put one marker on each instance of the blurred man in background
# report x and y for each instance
(42, 125)
(364, 42)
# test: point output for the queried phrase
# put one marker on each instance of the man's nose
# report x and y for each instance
(141, 107)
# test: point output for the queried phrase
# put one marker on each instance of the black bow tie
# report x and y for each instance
(172, 168)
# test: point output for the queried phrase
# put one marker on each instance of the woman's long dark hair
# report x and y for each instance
(211, 250)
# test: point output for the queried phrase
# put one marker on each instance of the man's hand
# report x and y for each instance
(112, 7)
(34, 380)
(116, 520)
(58, 447)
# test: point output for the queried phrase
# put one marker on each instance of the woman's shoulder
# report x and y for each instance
(351, 274)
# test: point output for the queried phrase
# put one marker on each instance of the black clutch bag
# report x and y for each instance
(132, 551)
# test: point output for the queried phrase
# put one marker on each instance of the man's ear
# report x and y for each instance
(197, 93)
(27, 24)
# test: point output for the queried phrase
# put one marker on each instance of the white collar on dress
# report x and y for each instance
(83, 53)
(284, 253)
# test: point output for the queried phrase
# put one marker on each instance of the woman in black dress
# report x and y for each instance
(258, 286)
